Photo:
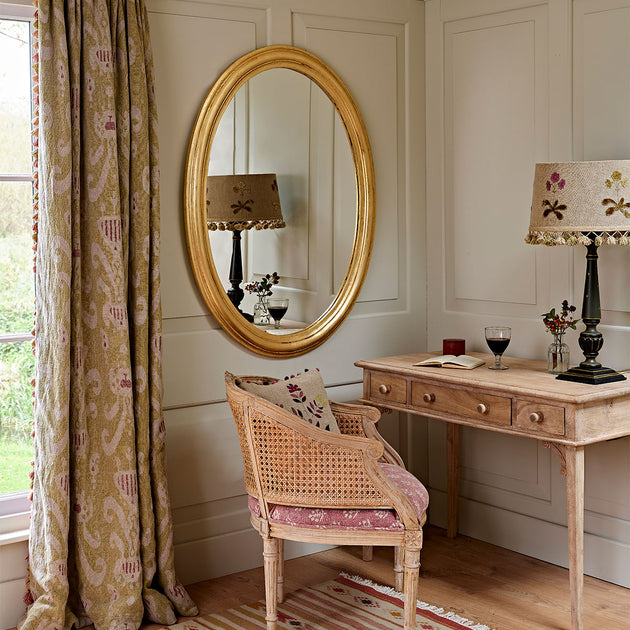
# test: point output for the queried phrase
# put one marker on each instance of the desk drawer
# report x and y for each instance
(388, 388)
(539, 418)
(467, 404)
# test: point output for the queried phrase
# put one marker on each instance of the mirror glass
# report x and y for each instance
(281, 110)
(281, 122)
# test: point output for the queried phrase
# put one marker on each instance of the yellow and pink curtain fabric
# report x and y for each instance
(101, 545)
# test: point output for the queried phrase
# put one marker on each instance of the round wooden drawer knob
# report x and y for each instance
(428, 398)
(384, 389)
(536, 417)
(481, 408)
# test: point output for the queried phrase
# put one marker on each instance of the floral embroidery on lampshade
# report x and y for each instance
(616, 181)
(591, 198)
(242, 189)
(554, 184)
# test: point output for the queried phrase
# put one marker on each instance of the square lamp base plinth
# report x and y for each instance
(589, 375)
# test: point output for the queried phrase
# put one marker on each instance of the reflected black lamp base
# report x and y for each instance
(235, 293)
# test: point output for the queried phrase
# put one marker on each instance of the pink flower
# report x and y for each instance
(561, 184)
(548, 185)
(555, 177)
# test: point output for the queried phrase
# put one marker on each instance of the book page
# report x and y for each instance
(451, 360)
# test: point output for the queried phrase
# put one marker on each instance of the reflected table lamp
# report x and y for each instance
(237, 203)
(583, 203)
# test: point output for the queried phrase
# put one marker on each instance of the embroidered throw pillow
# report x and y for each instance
(302, 394)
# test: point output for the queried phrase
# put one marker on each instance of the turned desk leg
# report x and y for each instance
(574, 457)
(452, 480)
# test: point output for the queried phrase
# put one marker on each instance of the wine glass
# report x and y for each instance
(277, 308)
(498, 339)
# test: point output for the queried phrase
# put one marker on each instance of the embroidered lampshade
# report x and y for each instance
(579, 202)
(585, 203)
(243, 202)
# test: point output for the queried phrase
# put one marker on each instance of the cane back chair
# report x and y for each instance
(309, 485)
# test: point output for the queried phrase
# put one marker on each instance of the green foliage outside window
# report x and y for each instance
(17, 363)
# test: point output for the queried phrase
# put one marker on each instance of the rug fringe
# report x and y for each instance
(392, 592)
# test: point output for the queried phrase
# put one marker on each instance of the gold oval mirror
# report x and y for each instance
(217, 101)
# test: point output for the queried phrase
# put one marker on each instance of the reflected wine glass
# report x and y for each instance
(277, 308)
(498, 339)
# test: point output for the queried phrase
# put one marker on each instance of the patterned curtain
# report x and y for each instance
(101, 546)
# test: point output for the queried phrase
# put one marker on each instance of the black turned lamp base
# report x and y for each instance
(591, 375)
(591, 371)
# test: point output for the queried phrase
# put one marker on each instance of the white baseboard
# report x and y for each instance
(213, 557)
(12, 608)
(604, 558)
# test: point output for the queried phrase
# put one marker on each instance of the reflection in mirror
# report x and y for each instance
(242, 202)
(328, 196)
(281, 122)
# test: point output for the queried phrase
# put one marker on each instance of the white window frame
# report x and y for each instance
(15, 507)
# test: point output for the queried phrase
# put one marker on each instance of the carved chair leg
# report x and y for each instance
(399, 558)
(280, 591)
(271, 561)
(368, 553)
(412, 566)
(413, 545)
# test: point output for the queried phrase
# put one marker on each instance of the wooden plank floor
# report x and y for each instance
(487, 584)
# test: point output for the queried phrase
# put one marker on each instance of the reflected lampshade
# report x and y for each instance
(581, 202)
(243, 202)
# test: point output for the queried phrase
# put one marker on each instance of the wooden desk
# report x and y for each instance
(524, 400)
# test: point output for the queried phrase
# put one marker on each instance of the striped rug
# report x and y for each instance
(346, 603)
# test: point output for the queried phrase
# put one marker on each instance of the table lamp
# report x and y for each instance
(586, 203)
(237, 203)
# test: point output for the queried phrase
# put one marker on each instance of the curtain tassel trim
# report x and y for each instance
(28, 596)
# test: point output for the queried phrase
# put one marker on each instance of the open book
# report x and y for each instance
(460, 361)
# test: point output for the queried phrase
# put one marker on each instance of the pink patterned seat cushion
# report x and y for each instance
(334, 518)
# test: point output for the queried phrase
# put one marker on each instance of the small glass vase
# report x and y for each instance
(261, 314)
(558, 355)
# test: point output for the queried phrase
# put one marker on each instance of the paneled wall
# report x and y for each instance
(377, 48)
(368, 44)
(511, 83)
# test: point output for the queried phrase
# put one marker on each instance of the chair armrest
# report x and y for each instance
(299, 464)
(358, 419)
(352, 418)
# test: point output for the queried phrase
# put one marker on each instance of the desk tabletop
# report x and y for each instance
(524, 376)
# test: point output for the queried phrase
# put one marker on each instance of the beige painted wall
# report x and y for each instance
(368, 43)
(511, 83)
(508, 83)
(377, 48)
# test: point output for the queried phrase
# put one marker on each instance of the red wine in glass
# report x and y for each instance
(498, 345)
(277, 308)
(498, 339)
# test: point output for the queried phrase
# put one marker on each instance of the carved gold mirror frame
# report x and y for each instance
(197, 166)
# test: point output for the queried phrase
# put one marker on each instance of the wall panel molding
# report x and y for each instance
(193, 42)
(495, 126)
(385, 118)
(202, 38)
(485, 132)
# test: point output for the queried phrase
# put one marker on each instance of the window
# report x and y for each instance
(16, 258)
